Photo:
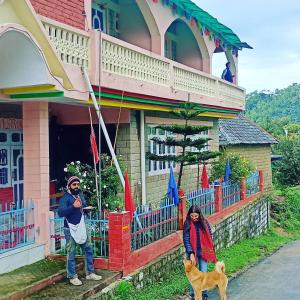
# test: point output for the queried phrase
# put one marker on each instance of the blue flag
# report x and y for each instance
(172, 188)
(227, 171)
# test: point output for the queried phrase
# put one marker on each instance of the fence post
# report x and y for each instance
(243, 189)
(119, 236)
(181, 209)
(261, 181)
(218, 197)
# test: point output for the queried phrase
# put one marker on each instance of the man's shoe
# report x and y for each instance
(204, 297)
(75, 281)
(93, 276)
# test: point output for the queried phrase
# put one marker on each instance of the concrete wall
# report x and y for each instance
(260, 156)
(133, 28)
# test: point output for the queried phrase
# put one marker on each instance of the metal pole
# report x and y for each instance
(111, 149)
(143, 160)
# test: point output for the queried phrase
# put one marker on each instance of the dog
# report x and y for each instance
(202, 281)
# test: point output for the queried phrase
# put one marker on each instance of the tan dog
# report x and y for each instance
(202, 281)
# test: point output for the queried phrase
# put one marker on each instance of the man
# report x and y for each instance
(227, 75)
(71, 207)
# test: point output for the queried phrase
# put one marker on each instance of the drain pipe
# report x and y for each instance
(102, 124)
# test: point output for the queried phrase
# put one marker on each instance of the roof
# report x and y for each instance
(206, 21)
(241, 131)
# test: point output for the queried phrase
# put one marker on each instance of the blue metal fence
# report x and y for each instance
(230, 193)
(151, 225)
(17, 227)
(204, 198)
(97, 230)
(252, 184)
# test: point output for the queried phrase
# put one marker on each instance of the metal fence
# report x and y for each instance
(252, 184)
(204, 198)
(151, 225)
(230, 193)
(97, 230)
(17, 227)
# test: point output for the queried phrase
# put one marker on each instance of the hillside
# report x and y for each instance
(273, 110)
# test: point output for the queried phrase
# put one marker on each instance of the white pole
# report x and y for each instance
(111, 149)
(143, 160)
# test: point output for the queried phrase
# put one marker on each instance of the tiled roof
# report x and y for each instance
(242, 131)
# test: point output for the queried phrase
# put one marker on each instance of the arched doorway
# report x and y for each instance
(182, 46)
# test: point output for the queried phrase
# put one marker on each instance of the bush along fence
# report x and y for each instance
(122, 244)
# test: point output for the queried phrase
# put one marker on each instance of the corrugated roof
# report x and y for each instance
(219, 30)
(242, 131)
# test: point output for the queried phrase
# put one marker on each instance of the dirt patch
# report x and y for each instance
(282, 232)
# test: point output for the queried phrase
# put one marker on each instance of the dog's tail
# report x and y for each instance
(220, 267)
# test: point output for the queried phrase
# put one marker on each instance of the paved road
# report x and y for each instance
(275, 278)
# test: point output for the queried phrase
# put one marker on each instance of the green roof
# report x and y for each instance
(227, 37)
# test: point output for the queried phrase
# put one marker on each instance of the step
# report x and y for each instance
(64, 290)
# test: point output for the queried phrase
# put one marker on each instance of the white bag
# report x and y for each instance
(78, 231)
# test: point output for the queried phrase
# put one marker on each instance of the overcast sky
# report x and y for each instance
(272, 28)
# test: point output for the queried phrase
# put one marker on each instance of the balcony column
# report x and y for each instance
(36, 165)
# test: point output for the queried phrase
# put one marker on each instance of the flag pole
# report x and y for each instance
(112, 152)
(95, 169)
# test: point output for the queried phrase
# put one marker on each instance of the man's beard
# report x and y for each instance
(75, 191)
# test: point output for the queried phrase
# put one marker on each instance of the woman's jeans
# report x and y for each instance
(203, 268)
(87, 251)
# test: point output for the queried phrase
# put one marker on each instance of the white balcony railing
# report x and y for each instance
(71, 46)
(124, 59)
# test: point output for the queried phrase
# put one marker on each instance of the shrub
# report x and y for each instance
(239, 166)
(287, 170)
(110, 182)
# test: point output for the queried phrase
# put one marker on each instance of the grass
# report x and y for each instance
(283, 229)
(27, 275)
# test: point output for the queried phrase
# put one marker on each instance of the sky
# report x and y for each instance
(272, 28)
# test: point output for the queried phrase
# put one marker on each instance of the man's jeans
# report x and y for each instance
(87, 251)
(203, 268)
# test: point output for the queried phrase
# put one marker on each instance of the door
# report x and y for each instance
(17, 174)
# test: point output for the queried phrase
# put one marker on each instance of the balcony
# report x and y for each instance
(136, 70)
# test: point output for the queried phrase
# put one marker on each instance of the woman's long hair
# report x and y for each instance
(194, 209)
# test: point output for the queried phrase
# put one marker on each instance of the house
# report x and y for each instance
(142, 58)
(244, 137)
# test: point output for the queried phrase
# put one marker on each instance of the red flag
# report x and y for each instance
(204, 178)
(129, 204)
(94, 146)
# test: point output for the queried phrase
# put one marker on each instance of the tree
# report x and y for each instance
(287, 170)
(187, 138)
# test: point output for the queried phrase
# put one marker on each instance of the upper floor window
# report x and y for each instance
(106, 17)
(159, 167)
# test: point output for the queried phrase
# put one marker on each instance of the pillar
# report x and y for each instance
(218, 197)
(119, 236)
(36, 166)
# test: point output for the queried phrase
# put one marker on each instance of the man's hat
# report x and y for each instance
(72, 179)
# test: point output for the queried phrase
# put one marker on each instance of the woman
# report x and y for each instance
(197, 239)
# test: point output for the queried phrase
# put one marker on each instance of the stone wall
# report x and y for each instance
(249, 221)
(260, 156)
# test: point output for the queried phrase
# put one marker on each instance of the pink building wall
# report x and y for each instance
(36, 165)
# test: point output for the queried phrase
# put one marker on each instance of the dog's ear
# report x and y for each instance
(188, 266)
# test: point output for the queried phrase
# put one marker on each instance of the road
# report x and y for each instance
(275, 278)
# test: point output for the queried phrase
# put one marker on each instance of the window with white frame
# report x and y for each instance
(203, 134)
(160, 167)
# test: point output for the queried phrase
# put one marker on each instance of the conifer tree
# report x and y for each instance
(187, 139)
